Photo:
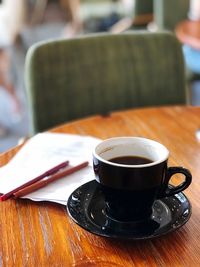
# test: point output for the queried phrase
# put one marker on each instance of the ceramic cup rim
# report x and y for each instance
(143, 140)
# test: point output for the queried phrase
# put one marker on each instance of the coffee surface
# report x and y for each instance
(131, 160)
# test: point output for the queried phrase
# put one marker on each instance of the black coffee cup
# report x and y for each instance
(133, 173)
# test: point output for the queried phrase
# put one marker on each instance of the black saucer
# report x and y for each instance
(86, 206)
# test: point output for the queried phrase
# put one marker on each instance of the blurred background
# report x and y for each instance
(25, 22)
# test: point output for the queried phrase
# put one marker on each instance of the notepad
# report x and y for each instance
(42, 152)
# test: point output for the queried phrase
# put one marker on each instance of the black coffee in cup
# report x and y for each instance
(131, 160)
(133, 172)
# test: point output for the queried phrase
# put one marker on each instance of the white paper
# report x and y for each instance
(43, 152)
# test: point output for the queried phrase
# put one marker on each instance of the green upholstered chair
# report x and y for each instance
(100, 73)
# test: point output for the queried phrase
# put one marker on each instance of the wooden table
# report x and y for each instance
(41, 234)
(188, 32)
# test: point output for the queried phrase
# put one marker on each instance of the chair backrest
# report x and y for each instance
(97, 74)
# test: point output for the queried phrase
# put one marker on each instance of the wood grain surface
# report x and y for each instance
(42, 234)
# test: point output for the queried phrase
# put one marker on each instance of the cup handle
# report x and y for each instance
(169, 191)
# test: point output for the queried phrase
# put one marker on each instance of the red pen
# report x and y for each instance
(47, 173)
(49, 179)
